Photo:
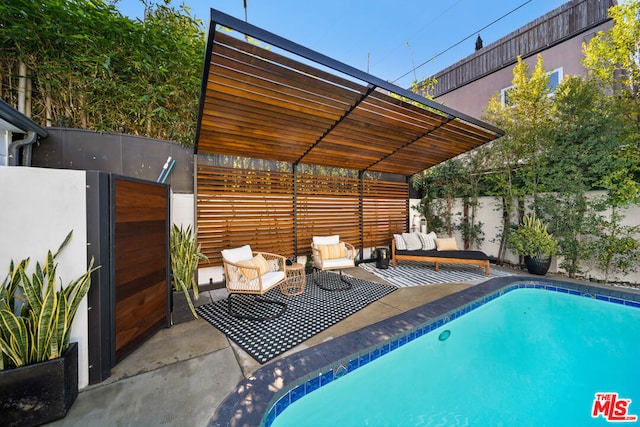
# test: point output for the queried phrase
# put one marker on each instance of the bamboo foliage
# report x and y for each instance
(35, 316)
(90, 67)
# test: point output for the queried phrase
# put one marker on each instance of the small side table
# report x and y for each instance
(294, 285)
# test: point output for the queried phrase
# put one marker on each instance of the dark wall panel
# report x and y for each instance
(127, 155)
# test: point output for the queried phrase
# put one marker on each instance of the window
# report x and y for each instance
(555, 77)
(504, 95)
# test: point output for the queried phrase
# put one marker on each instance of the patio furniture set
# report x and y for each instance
(255, 273)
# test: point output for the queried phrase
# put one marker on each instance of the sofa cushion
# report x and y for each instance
(326, 240)
(446, 244)
(460, 254)
(335, 263)
(428, 240)
(242, 253)
(412, 241)
(399, 242)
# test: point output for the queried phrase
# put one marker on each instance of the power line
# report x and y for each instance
(415, 32)
(461, 41)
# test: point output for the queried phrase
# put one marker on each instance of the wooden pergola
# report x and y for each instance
(304, 107)
(268, 98)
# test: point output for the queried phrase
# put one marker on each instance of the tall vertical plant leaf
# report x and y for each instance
(46, 322)
(15, 339)
(185, 255)
(32, 289)
(12, 281)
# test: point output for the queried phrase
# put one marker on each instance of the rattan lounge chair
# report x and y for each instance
(255, 273)
(330, 253)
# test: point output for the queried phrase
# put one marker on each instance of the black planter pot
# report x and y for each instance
(37, 394)
(382, 258)
(180, 310)
(538, 265)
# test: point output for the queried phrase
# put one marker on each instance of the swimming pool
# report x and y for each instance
(514, 360)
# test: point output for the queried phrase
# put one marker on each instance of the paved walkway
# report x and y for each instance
(181, 374)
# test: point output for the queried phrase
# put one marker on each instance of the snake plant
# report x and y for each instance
(35, 313)
(185, 256)
(532, 238)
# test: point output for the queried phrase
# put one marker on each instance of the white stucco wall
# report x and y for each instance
(490, 214)
(182, 209)
(39, 208)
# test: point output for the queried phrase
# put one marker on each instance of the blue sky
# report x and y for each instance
(384, 37)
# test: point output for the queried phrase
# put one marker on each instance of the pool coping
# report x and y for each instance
(257, 400)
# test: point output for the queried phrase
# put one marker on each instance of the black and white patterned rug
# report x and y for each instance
(306, 315)
(414, 273)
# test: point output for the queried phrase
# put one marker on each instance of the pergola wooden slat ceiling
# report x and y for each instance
(262, 104)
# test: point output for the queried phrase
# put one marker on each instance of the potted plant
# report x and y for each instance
(532, 240)
(38, 364)
(185, 256)
(308, 267)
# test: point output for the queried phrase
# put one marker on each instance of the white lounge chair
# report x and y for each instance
(330, 253)
(255, 273)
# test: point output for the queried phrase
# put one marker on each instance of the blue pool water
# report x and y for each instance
(528, 358)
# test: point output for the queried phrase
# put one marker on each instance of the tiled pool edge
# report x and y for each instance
(275, 386)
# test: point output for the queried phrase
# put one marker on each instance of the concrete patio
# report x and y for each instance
(182, 374)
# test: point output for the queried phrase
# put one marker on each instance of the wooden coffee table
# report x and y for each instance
(294, 285)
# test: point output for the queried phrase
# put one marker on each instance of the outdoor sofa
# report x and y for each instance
(429, 248)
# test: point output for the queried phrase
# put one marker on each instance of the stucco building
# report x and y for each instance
(558, 36)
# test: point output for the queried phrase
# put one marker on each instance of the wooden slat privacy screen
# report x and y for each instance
(268, 209)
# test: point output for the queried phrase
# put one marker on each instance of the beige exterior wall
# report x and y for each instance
(473, 98)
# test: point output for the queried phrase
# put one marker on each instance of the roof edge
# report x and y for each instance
(19, 120)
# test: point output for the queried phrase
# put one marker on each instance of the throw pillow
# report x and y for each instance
(412, 241)
(249, 273)
(332, 251)
(447, 244)
(428, 241)
(257, 261)
(261, 263)
(399, 241)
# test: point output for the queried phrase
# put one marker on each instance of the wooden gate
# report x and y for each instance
(139, 261)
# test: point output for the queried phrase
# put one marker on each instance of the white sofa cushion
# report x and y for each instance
(269, 280)
(326, 240)
(412, 241)
(243, 253)
(399, 241)
(428, 241)
(335, 263)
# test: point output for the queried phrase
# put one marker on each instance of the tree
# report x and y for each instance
(584, 133)
(515, 156)
(613, 58)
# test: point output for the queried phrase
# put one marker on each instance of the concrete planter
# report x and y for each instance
(37, 394)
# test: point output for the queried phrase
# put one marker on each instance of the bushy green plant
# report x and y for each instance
(35, 316)
(532, 238)
(185, 256)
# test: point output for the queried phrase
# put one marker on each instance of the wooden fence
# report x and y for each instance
(280, 211)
